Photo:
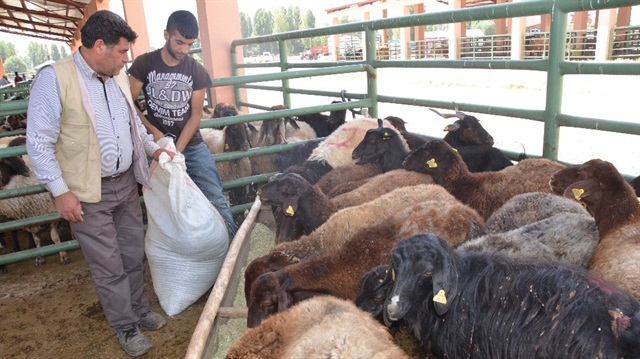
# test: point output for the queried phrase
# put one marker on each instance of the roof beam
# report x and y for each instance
(35, 23)
(36, 12)
(52, 37)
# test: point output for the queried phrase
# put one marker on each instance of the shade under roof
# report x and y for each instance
(55, 20)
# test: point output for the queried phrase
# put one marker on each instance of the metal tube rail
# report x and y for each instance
(210, 310)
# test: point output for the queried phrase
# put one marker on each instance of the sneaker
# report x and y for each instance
(152, 321)
(133, 342)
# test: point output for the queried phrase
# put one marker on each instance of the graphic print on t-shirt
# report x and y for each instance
(169, 95)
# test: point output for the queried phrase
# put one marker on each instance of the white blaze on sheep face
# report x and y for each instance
(393, 306)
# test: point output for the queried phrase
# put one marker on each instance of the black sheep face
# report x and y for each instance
(373, 290)
(397, 122)
(265, 299)
(433, 158)
(374, 145)
(422, 269)
(284, 191)
(467, 131)
(237, 138)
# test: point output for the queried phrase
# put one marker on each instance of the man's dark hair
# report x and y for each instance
(184, 22)
(107, 26)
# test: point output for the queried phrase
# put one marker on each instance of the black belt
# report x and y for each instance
(114, 177)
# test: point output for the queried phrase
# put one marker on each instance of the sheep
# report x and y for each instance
(341, 226)
(487, 191)
(481, 305)
(338, 272)
(230, 138)
(321, 327)
(345, 176)
(474, 143)
(372, 292)
(635, 183)
(29, 206)
(598, 185)
(324, 125)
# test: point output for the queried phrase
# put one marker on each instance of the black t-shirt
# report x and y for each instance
(168, 90)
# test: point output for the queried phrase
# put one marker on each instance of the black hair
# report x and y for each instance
(107, 26)
(184, 22)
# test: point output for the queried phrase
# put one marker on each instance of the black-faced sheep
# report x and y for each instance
(474, 143)
(542, 226)
(598, 185)
(230, 138)
(487, 191)
(321, 327)
(382, 146)
(338, 272)
(341, 226)
(481, 305)
(635, 184)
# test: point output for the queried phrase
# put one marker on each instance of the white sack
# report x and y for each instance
(186, 239)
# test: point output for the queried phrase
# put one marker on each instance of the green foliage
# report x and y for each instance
(63, 51)
(246, 28)
(55, 53)
(488, 27)
(7, 49)
(37, 53)
(15, 63)
(263, 25)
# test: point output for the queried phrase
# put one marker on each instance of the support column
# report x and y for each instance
(2, 71)
(219, 23)
(385, 32)
(606, 23)
(419, 30)
(456, 31)
(93, 7)
(405, 37)
(501, 24)
(518, 29)
(134, 14)
(624, 16)
(545, 23)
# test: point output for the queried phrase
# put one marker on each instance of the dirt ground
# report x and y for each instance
(52, 311)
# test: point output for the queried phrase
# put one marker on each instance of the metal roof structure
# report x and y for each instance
(363, 4)
(55, 20)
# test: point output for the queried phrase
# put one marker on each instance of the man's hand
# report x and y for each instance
(69, 207)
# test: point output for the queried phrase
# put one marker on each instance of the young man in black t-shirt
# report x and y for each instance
(174, 86)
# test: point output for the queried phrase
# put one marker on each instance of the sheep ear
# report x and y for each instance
(452, 127)
(379, 123)
(445, 283)
(284, 300)
(581, 189)
(252, 128)
(293, 123)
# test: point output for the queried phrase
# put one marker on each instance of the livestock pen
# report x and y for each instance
(535, 121)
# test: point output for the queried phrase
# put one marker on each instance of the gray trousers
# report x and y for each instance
(112, 241)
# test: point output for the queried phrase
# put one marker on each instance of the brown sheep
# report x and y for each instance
(321, 327)
(612, 202)
(341, 226)
(339, 272)
(486, 191)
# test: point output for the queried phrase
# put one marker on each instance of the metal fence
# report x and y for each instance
(555, 65)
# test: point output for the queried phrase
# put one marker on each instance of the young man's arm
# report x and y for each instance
(136, 87)
(193, 123)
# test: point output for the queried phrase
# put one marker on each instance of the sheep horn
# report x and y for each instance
(343, 96)
(446, 115)
(459, 114)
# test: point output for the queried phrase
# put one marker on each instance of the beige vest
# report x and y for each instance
(77, 149)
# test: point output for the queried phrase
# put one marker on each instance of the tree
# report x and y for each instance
(63, 51)
(309, 21)
(488, 27)
(246, 29)
(280, 24)
(7, 49)
(15, 63)
(263, 25)
(295, 22)
(37, 53)
(55, 54)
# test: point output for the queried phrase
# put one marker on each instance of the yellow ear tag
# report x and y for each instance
(393, 275)
(577, 193)
(440, 297)
(386, 136)
(432, 163)
(290, 211)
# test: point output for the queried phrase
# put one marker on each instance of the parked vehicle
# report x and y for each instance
(314, 52)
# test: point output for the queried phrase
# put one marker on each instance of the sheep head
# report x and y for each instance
(437, 159)
(271, 262)
(421, 261)
(466, 131)
(374, 287)
(285, 191)
(223, 109)
(397, 122)
(272, 293)
(601, 171)
(375, 144)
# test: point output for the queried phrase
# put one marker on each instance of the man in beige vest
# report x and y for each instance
(89, 148)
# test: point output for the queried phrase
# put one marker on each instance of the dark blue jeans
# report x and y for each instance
(203, 171)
